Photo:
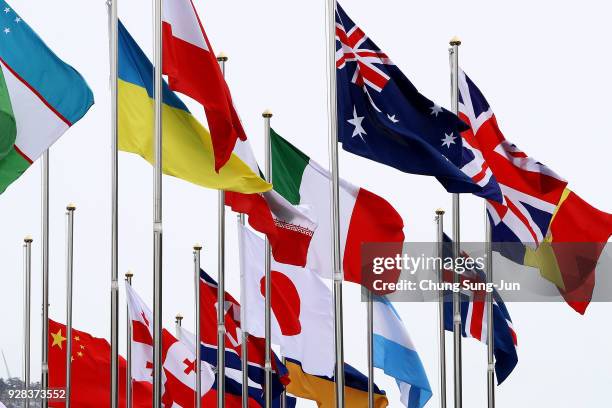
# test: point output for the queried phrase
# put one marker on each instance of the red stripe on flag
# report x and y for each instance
(35, 92)
(22, 154)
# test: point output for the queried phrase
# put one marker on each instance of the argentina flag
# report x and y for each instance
(396, 355)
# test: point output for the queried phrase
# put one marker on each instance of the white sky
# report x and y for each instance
(543, 66)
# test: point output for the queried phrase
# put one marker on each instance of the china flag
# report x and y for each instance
(90, 371)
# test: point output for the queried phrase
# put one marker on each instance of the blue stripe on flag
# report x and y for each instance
(26, 54)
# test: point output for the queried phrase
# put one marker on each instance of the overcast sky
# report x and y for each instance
(544, 67)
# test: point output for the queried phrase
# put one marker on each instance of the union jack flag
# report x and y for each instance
(522, 193)
(474, 317)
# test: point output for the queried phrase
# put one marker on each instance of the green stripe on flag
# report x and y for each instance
(288, 164)
(8, 128)
(11, 167)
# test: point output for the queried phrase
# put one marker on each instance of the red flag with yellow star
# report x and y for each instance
(90, 371)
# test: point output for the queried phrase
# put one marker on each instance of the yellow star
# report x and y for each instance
(77, 338)
(58, 339)
(82, 347)
(80, 354)
(71, 359)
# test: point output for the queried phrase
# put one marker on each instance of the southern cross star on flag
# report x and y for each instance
(384, 118)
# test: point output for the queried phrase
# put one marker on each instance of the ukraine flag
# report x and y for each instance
(187, 147)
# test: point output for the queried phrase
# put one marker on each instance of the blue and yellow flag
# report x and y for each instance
(187, 147)
(322, 389)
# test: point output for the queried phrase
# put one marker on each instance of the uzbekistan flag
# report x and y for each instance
(40, 97)
(187, 146)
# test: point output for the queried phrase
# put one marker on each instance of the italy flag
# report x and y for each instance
(40, 96)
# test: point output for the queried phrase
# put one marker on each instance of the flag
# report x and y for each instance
(384, 118)
(302, 307)
(568, 257)
(233, 341)
(395, 353)
(474, 318)
(364, 216)
(233, 383)
(90, 371)
(41, 97)
(322, 389)
(187, 146)
(178, 359)
(192, 69)
(289, 228)
(530, 190)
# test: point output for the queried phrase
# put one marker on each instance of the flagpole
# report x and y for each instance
(267, 115)
(128, 352)
(441, 332)
(178, 323)
(244, 358)
(221, 59)
(44, 380)
(370, 324)
(490, 328)
(197, 249)
(114, 68)
(332, 105)
(157, 211)
(455, 43)
(27, 297)
(69, 279)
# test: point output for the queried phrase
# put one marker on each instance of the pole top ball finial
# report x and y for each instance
(179, 317)
(71, 207)
(28, 239)
(129, 274)
(439, 211)
(197, 247)
(455, 41)
(267, 113)
(222, 57)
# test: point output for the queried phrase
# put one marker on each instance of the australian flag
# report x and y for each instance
(383, 117)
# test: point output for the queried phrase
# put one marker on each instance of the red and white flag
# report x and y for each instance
(302, 307)
(193, 70)
(178, 359)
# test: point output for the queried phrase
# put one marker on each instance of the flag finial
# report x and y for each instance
(28, 239)
(267, 113)
(440, 211)
(455, 41)
(129, 274)
(222, 57)
(71, 207)
(179, 317)
(197, 247)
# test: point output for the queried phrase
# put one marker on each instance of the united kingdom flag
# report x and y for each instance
(529, 190)
(384, 118)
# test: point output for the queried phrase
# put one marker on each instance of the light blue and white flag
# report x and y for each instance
(396, 355)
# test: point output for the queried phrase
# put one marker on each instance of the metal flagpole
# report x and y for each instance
(69, 278)
(244, 360)
(197, 249)
(370, 307)
(267, 115)
(221, 59)
(27, 294)
(114, 337)
(335, 207)
(128, 352)
(490, 333)
(455, 42)
(441, 332)
(157, 220)
(178, 323)
(44, 380)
